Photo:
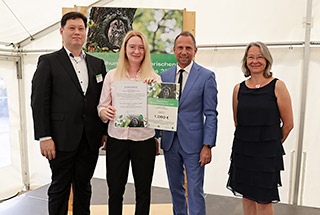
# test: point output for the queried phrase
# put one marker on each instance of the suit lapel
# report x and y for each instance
(192, 77)
(173, 75)
(66, 63)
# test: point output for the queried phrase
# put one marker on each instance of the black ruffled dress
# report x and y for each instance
(257, 152)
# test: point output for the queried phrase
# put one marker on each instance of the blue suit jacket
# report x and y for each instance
(197, 114)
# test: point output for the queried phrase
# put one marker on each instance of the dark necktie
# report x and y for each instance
(180, 82)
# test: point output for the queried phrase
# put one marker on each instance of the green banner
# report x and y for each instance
(160, 62)
(163, 102)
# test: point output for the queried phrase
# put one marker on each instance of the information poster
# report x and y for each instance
(131, 104)
(107, 26)
(163, 100)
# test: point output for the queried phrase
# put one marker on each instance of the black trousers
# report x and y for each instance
(141, 154)
(76, 168)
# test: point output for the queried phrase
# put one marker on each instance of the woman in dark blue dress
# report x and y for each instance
(263, 118)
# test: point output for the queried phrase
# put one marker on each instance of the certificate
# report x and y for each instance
(163, 100)
(130, 102)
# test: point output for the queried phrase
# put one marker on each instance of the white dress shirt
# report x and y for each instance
(80, 67)
(185, 75)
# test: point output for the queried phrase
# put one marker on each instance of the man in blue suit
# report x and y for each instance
(190, 146)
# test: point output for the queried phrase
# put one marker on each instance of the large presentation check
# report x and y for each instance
(163, 100)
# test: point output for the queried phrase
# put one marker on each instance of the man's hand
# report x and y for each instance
(157, 146)
(48, 149)
(104, 142)
(205, 156)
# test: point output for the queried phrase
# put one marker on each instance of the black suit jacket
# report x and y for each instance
(59, 108)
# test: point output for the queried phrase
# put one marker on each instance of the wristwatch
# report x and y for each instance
(209, 146)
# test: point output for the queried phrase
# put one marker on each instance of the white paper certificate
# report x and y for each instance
(130, 102)
(163, 106)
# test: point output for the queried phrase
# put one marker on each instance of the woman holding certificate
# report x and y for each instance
(128, 144)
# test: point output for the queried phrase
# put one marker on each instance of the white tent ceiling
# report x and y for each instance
(31, 17)
(23, 19)
(272, 21)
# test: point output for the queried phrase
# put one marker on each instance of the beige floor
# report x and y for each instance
(36, 202)
(155, 209)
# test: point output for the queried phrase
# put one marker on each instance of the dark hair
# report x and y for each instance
(73, 15)
(188, 34)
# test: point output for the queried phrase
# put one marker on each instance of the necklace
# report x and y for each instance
(258, 86)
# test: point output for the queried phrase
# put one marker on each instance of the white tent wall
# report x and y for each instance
(315, 33)
(310, 178)
(13, 180)
(232, 22)
(39, 167)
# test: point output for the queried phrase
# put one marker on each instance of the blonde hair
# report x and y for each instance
(146, 69)
(266, 54)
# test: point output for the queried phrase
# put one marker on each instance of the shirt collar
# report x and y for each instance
(137, 76)
(82, 55)
(187, 68)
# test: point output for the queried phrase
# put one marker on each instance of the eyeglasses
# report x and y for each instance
(259, 58)
(133, 48)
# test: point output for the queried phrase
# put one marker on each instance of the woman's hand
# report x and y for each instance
(108, 114)
(149, 80)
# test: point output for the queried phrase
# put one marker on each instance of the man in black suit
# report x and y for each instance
(65, 93)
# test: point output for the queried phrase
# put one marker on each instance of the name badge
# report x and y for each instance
(99, 78)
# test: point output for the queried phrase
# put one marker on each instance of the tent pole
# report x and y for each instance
(23, 131)
(303, 95)
(243, 45)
